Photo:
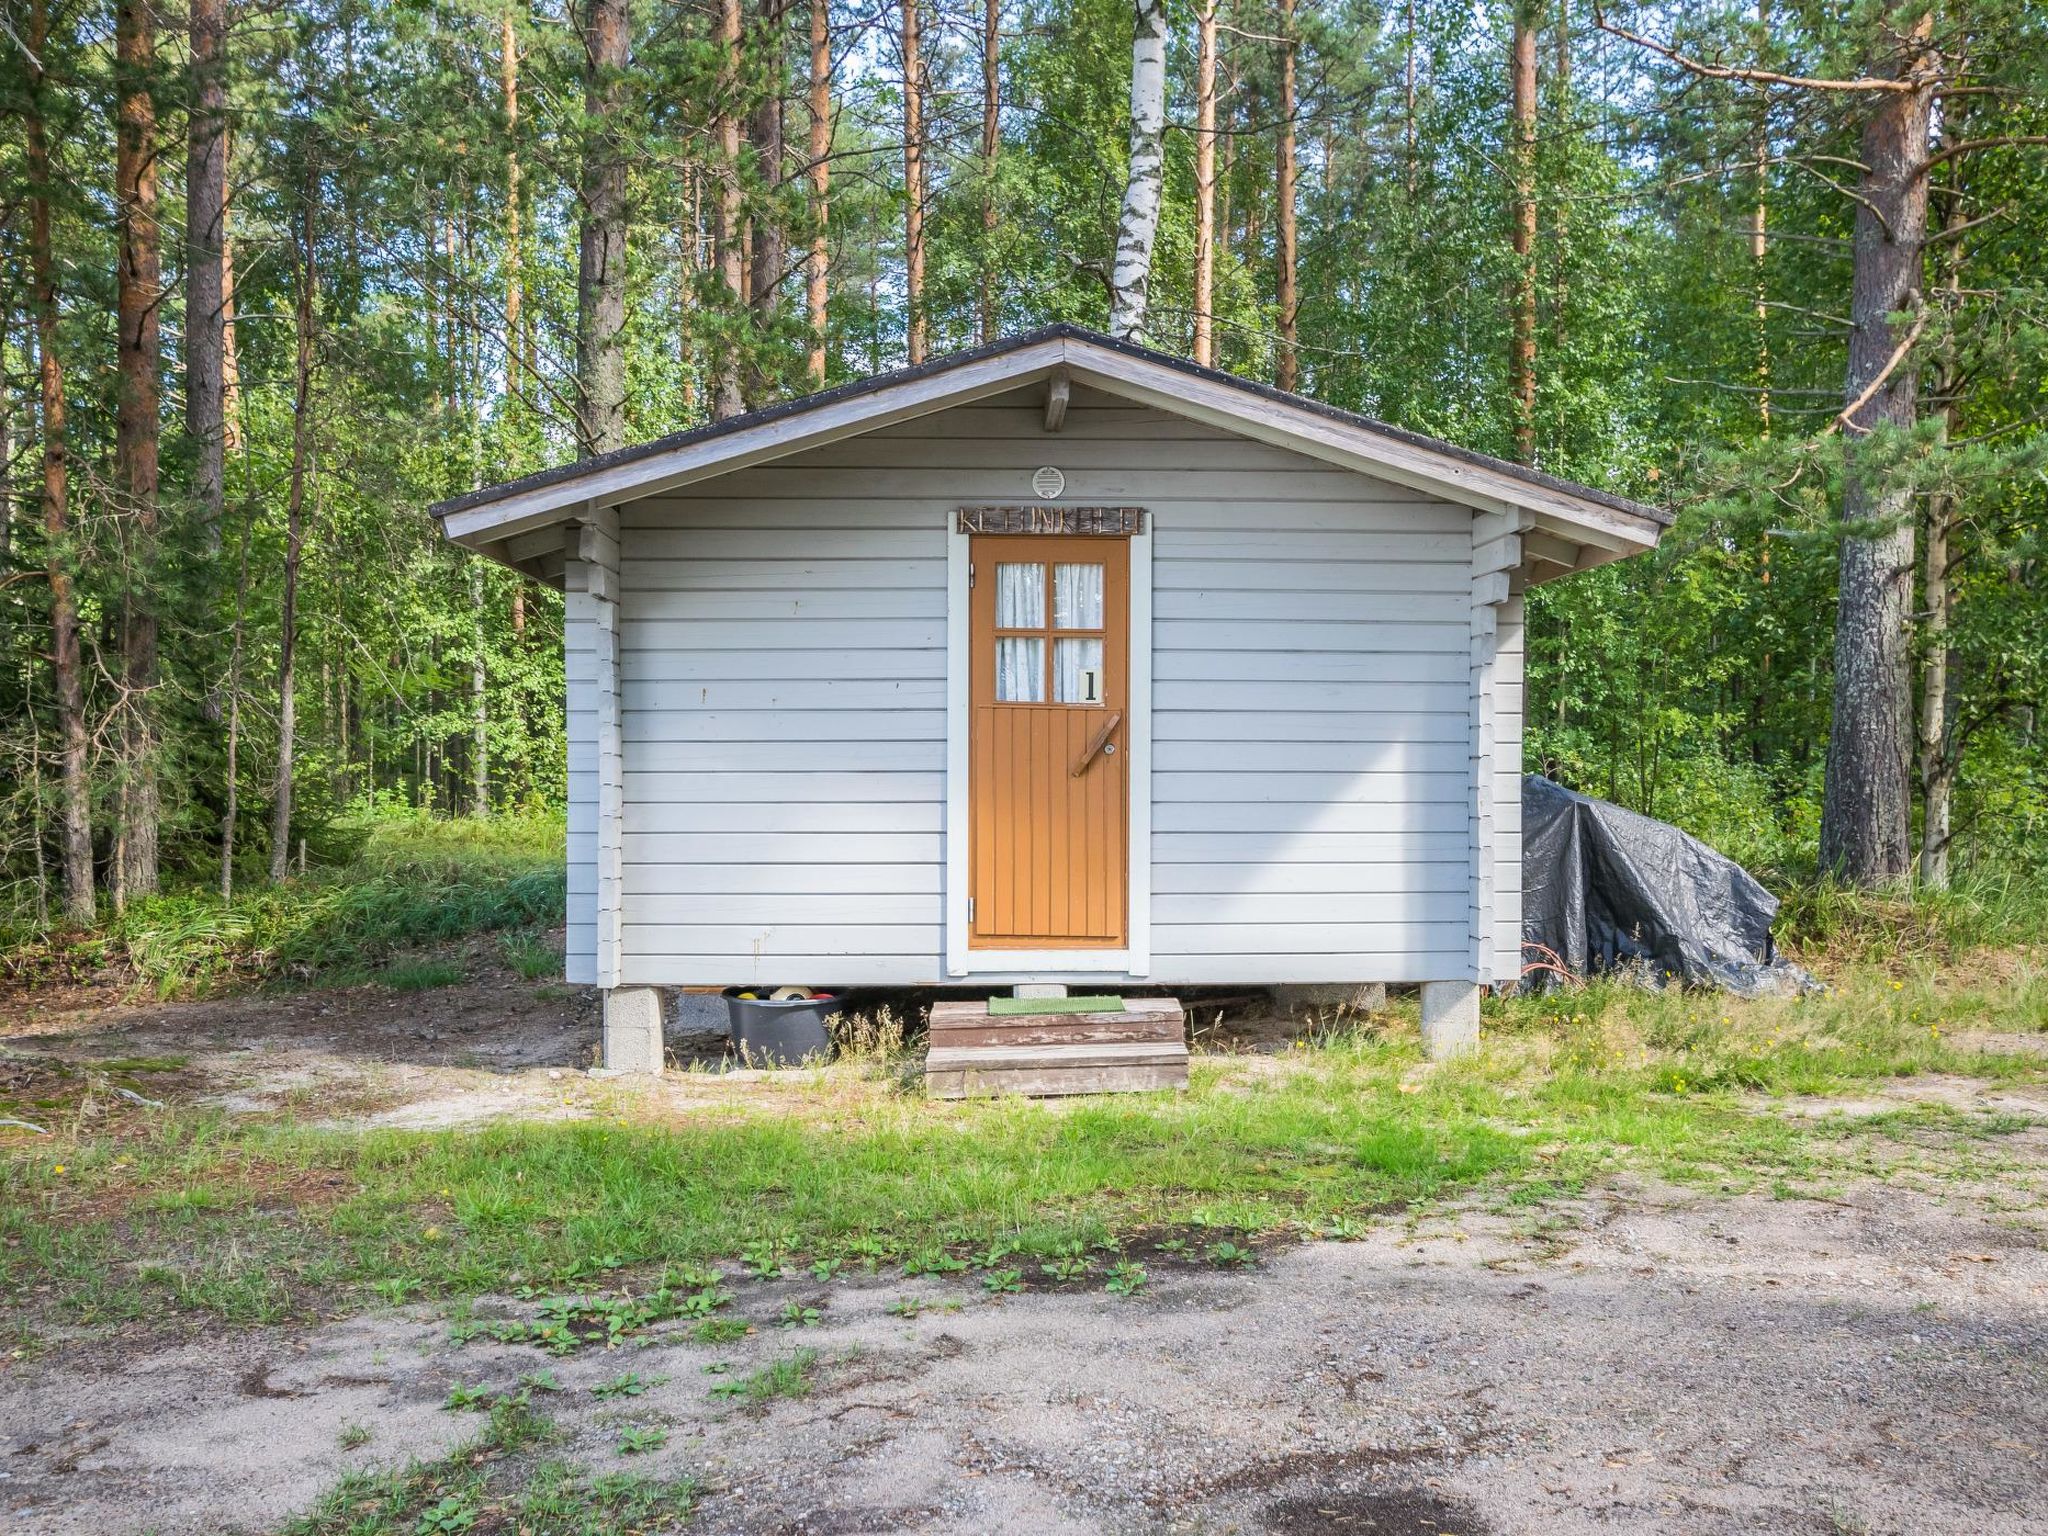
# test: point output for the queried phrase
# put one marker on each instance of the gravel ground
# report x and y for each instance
(1644, 1360)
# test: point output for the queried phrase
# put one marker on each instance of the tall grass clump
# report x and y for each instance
(530, 955)
(1985, 907)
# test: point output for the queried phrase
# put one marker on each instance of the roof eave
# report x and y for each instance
(521, 507)
(1608, 527)
(1433, 468)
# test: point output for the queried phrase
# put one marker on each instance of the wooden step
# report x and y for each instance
(1049, 1031)
(962, 1024)
(1047, 1071)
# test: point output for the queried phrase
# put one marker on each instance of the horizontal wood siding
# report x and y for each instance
(783, 670)
(580, 667)
(1312, 725)
(1507, 793)
(784, 666)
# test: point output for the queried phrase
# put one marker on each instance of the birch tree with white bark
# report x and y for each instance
(1130, 276)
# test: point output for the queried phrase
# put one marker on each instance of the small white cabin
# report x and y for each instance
(1060, 660)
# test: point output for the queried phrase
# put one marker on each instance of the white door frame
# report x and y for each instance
(1135, 959)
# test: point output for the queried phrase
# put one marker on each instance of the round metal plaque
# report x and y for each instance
(1048, 483)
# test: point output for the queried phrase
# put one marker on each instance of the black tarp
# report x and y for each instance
(1606, 889)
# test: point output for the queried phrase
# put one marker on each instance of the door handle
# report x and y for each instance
(1097, 742)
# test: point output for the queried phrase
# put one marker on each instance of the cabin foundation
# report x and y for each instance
(632, 1030)
(1450, 1019)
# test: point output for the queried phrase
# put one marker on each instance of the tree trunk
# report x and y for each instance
(1408, 156)
(515, 277)
(230, 354)
(725, 376)
(206, 190)
(1937, 753)
(601, 272)
(1522, 215)
(35, 795)
(1937, 762)
(1130, 274)
(991, 143)
(818, 269)
(451, 313)
(431, 288)
(231, 814)
(1561, 211)
(479, 636)
(1205, 185)
(138, 307)
(1866, 806)
(294, 536)
(1250, 209)
(1287, 366)
(338, 774)
(66, 668)
(1226, 137)
(767, 240)
(913, 187)
(7, 491)
(1759, 245)
(689, 264)
(1759, 239)
(479, 696)
(770, 241)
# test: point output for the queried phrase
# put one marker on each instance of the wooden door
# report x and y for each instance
(1050, 787)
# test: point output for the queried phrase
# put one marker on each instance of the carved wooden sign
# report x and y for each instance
(1117, 522)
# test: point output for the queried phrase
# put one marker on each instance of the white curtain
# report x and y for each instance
(1020, 597)
(1072, 661)
(1077, 597)
(1077, 603)
(1020, 669)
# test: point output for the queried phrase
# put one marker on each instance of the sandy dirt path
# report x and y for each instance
(1645, 1360)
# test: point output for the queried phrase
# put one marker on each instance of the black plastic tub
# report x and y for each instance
(785, 1033)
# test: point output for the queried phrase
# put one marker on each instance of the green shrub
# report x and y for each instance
(414, 882)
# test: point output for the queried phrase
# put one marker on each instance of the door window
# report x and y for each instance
(1077, 659)
(1020, 669)
(1020, 596)
(1057, 654)
(1077, 597)
(1077, 671)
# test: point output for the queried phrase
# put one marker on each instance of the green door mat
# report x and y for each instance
(998, 1006)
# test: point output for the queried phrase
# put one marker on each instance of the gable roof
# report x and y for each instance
(1586, 526)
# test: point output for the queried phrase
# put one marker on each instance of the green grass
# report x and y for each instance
(419, 975)
(530, 955)
(720, 1330)
(416, 882)
(789, 1376)
(493, 1484)
(1983, 908)
(192, 1212)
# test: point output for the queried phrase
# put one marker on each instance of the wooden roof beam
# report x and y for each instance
(1058, 387)
(1552, 550)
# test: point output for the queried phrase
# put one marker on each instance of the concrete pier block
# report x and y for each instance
(1450, 1018)
(632, 1029)
(1039, 989)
